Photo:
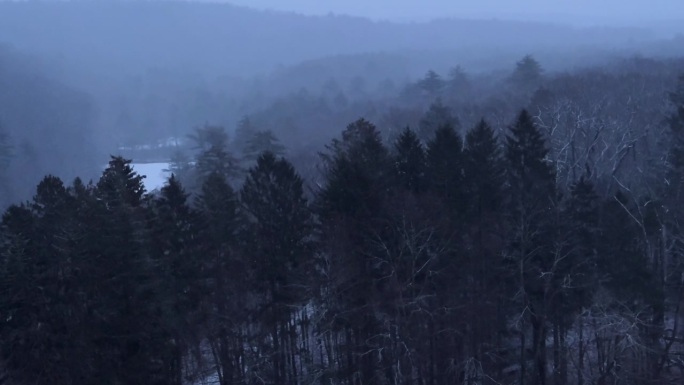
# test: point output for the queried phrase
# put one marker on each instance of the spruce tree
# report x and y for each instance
(437, 116)
(280, 249)
(21, 303)
(533, 201)
(126, 329)
(350, 205)
(179, 286)
(445, 168)
(432, 83)
(213, 154)
(409, 162)
(484, 239)
(226, 274)
(483, 170)
(260, 142)
(244, 131)
(528, 72)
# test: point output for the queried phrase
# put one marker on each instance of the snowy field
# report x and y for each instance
(156, 176)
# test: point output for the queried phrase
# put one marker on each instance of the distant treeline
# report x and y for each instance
(550, 253)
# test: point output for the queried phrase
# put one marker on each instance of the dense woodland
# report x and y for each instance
(352, 202)
(531, 241)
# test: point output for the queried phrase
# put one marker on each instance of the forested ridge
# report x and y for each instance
(546, 249)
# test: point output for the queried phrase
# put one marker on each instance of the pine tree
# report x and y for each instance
(528, 72)
(410, 162)
(533, 201)
(432, 83)
(22, 302)
(445, 168)
(260, 142)
(244, 131)
(180, 166)
(281, 251)
(458, 79)
(126, 329)
(53, 334)
(484, 175)
(484, 241)
(120, 185)
(356, 170)
(350, 205)
(436, 117)
(178, 274)
(226, 274)
(213, 155)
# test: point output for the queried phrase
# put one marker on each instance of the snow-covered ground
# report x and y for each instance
(156, 176)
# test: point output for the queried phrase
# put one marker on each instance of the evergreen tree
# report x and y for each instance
(484, 241)
(260, 142)
(126, 329)
(484, 172)
(445, 168)
(244, 131)
(356, 170)
(436, 117)
(22, 302)
(432, 83)
(213, 155)
(350, 205)
(281, 251)
(533, 201)
(226, 274)
(528, 72)
(409, 162)
(51, 341)
(180, 166)
(178, 274)
(458, 79)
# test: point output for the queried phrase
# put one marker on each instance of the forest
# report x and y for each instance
(371, 215)
(542, 250)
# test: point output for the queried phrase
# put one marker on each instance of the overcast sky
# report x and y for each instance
(592, 11)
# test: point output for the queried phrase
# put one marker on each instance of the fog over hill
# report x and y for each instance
(309, 192)
(577, 12)
(217, 39)
(154, 69)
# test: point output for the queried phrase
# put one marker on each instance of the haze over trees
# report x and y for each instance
(432, 211)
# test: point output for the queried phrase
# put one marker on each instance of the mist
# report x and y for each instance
(579, 12)
(341, 192)
(149, 71)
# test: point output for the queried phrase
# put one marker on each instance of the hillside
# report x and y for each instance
(111, 37)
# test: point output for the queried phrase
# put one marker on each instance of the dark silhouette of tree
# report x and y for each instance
(281, 252)
(432, 83)
(213, 155)
(533, 200)
(410, 162)
(445, 168)
(349, 206)
(244, 132)
(260, 142)
(121, 281)
(226, 274)
(528, 72)
(437, 116)
(178, 272)
(483, 170)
